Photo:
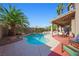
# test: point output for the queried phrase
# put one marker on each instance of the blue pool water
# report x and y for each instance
(37, 39)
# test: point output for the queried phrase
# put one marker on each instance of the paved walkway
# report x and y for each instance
(21, 48)
(52, 42)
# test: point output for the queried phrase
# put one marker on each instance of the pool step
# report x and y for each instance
(71, 50)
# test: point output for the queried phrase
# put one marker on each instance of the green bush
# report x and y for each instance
(54, 27)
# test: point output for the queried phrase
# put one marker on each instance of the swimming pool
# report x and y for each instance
(37, 39)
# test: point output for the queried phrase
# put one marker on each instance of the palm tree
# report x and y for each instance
(12, 18)
(60, 8)
(69, 6)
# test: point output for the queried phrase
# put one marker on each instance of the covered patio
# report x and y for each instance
(65, 20)
(61, 21)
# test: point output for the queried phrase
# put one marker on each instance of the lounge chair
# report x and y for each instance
(75, 40)
(60, 33)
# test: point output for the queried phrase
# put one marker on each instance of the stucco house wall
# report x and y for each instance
(75, 22)
(77, 18)
(73, 26)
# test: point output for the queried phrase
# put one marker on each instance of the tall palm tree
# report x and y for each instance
(69, 6)
(60, 8)
(12, 18)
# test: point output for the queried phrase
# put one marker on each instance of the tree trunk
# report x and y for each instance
(12, 31)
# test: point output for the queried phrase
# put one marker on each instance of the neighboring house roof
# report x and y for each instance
(64, 19)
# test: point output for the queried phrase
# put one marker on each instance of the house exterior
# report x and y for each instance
(70, 19)
(77, 19)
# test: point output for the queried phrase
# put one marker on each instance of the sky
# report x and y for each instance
(39, 14)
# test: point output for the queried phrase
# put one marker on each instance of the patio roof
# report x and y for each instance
(65, 19)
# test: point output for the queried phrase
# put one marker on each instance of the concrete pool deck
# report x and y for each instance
(52, 42)
(21, 48)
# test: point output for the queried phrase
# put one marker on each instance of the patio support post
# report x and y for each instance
(62, 50)
(58, 29)
(61, 29)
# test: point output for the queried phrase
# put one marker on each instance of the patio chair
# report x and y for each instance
(60, 33)
(75, 40)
